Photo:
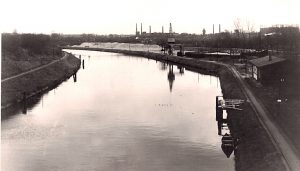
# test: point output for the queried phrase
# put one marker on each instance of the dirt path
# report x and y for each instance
(33, 70)
(280, 140)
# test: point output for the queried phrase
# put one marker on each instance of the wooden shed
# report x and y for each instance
(267, 69)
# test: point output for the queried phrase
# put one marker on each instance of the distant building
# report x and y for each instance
(267, 69)
(280, 29)
(171, 40)
(203, 31)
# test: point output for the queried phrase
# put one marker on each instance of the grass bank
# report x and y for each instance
(284, 114)
(31, 84)
(255, 149)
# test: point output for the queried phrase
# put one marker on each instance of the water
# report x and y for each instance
(122, 113)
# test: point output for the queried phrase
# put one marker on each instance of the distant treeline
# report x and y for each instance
(33, 44)
(253, 40)
(285, 39)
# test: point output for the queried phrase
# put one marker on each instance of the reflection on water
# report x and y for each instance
(171, 77)
(82, 63)
(74, 77)
(119, 115)
(181, 69)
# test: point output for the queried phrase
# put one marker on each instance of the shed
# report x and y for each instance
(267, 69)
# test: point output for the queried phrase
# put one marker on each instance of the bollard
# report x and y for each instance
(24, 107)
(82, 63)
(219, 110)
(75, 77)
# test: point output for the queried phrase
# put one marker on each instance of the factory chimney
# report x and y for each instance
(213, 29)
(141, 28)
(170, 29)
(136, 29)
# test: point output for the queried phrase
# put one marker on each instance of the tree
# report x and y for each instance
(238, 25)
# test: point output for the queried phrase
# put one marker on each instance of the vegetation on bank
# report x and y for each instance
(284, 39)
(28, 85)
(22, 52)
(34, 44)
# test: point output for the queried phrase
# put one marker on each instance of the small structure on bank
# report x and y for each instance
(267, 69)
(223, 104)
(170, 46)
(229, 143)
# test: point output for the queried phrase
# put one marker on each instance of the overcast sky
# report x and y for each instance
(120, 16)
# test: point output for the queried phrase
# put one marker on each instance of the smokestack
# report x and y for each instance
(141, 28)
(136, 30)
(219, 28)
(213, 29)
(162, 29)
(150, 29)
(170, 29)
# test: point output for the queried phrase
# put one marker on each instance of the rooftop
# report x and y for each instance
(263, 61)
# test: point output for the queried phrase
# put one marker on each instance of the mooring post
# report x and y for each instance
(217, 107)
(82, 63)
(219, 110)
(75, 77)
(24, 109)
(217, 98)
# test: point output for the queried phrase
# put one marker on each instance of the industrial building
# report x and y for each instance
(267, 69)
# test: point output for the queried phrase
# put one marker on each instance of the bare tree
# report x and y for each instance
(250, 27)
(238, 25)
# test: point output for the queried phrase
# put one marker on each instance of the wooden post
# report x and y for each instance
(24, 109)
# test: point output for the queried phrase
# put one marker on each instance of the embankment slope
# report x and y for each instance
(27, 85)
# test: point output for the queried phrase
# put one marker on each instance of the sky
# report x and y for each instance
(120, 16)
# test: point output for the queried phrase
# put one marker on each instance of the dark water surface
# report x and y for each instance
(122, 113)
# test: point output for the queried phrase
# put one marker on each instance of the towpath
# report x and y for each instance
(278, 137)
(33, 70)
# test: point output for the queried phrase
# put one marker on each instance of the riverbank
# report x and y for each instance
(33, 83)
(11, 65)
(255, 150)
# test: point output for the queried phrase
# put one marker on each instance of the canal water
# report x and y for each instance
(118, 113)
